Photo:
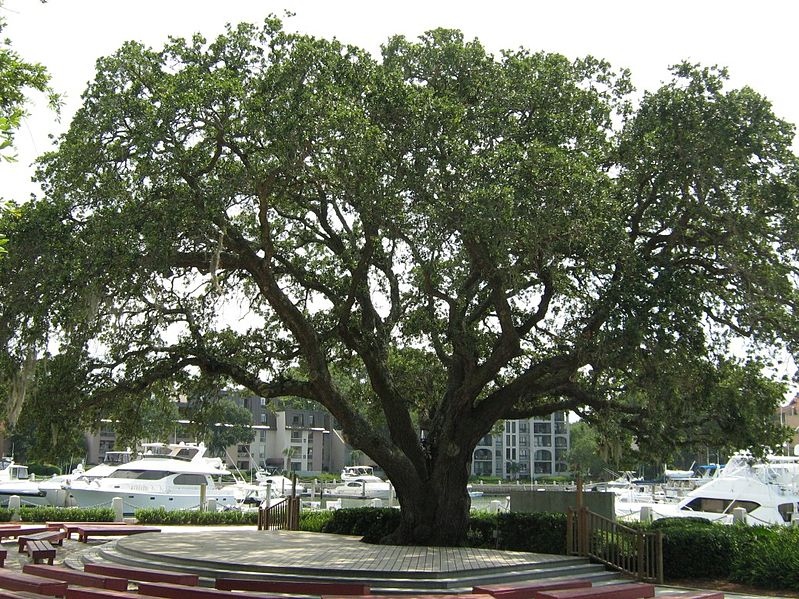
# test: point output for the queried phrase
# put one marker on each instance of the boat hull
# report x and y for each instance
(133, 500)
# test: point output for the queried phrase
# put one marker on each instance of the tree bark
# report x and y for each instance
(435, 511)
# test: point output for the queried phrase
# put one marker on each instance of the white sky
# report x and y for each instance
(758, 42)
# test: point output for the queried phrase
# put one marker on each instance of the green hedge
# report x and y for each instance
(314, 521)
(59, 514)
(539, 533)
(194, 517)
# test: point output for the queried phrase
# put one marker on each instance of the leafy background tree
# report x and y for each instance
(17, 78)
(436, 239)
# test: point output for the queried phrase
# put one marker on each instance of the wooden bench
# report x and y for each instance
(14, 532)
(19, 581)
(92, 593)
(40, 551)
(94, 530)
(3, 556)
(145, 574)
(431, 595)
(61, 525)
(176, 591)
(54, 536)
(71, 576)
(292, 587)
(630, 590)
(694, 595)
(528, 590)
(12, 595)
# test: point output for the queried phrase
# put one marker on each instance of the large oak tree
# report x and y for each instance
(424, 243)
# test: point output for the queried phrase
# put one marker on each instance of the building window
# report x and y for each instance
(561, 428)
(543, 455)
(263, 402)
(544, 428)
(561, 442)
(523, 427)
(296, 435)
(543, 441)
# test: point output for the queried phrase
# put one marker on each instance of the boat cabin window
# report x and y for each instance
(719, 506)
(191, 479)
(786, 510)
(140, 474)
(19, 473)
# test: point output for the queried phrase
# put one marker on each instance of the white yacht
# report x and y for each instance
(54, 488)
(280, 483)
(768, 490)
(14, 480)
(361, 473)
(167, 476)
(363, 487)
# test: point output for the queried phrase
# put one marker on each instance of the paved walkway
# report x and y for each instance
(310, 551)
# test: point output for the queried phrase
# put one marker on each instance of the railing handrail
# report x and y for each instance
(282, 515)
(634, 552)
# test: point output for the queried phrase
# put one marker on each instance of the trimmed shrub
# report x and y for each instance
(368, 522)
(483, 530)
(194, 517)
(314, 521)
(768, 558)
(62, 514)
(537, 533)
(699, 550)
(688, 521)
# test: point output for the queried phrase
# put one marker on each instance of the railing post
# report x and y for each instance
(659, 556)
(642, 555)
(582, 532)
(570, 531)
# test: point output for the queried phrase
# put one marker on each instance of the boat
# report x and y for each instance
(281, 484)
(14, 480)
(363, 487)
(363, 473)
(54, 487)
(768, 490)
(168, 476)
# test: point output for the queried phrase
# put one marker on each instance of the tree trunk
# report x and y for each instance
(435, 512)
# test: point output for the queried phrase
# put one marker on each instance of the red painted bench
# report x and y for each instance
(3, 556)
(40, 551)
(54, 536)
(95, 530)
(19, 581)
(89, 593)
(434, 595)
(14, 532)
(630, 590)
(694, 595)
(292, 587)
(528, 590)
(69, 575)
(145, 574)
(62, 524)
(176, 591)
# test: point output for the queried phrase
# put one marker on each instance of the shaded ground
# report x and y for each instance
(732, 587)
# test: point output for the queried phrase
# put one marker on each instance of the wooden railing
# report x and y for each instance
(283, 515)
(634, 552)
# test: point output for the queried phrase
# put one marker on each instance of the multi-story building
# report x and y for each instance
(300, 440)
(525, 448)
(788, 415)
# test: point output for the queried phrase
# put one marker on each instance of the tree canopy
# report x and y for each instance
(17, 77)
(437, 238)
